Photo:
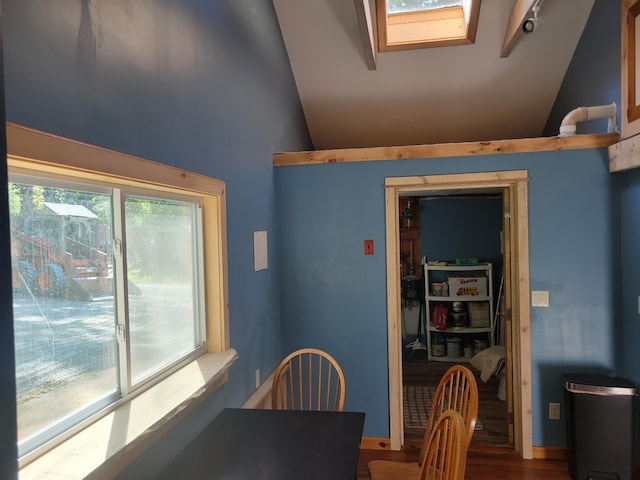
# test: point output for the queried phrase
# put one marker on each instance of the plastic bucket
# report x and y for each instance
(454, 347)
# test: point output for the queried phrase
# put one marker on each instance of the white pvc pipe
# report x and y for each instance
(568, 125)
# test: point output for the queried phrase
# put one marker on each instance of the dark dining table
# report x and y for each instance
(247, 444)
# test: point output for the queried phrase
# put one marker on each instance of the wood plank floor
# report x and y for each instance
(492, 412)
(490, 455)
(483, 463)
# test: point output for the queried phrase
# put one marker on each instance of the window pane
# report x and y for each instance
(401, 6)
(64, 313)
(162, 281)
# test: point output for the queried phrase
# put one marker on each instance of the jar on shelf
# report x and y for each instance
(438, 348)
(459, 319)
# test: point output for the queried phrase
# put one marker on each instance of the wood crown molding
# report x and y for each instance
(523, 145)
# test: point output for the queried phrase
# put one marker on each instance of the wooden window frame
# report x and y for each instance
(32, 152)
(630, 99)
(426, 29)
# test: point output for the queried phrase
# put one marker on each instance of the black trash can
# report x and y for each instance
(600, 427)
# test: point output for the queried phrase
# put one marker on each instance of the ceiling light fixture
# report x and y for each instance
(532, 23)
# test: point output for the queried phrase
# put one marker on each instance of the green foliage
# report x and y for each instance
(15, 201)
(397, 6)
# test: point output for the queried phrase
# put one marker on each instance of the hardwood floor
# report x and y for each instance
(483, 463)
(490, 455)
(492, 411)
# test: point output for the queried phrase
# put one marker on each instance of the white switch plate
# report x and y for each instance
(554, 411)
(539, 298)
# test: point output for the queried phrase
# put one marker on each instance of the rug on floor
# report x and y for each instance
(417, 400)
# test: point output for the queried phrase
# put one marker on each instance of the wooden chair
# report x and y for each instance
(446, 450)
(308, 379)
(458, 391)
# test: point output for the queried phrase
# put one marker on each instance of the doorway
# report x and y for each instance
(514, 186)
(459, 234)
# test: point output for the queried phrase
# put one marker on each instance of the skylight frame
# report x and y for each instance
(439, 27)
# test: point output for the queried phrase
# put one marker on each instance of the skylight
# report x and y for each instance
(411, 24)
(404, 6)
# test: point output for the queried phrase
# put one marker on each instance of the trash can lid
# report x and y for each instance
(598, 384)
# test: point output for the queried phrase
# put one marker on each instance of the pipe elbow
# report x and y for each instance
(568, 129)
(581, 114)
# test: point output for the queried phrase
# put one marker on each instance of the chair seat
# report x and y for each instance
(393, 470)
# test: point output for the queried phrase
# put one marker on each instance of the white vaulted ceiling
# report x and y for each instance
(434, 95)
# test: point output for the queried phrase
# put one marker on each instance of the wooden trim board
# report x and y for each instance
(539, 453)
(549, 453)
(516, 182)
(497, 147)
(625, 155)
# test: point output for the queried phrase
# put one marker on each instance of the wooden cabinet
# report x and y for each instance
(409, 216)
(476, 317)
(410, 252)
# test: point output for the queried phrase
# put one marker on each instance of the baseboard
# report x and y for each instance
(549, 453)
(375, 443)
(539, 453)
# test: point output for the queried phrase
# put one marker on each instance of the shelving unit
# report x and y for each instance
(468, 334)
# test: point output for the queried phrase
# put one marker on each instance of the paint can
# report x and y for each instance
(437, 347)
(454, 347)
(468, 350)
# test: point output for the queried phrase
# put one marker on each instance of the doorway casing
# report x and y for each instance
(514, 183)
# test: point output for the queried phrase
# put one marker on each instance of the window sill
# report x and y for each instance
(106, 447)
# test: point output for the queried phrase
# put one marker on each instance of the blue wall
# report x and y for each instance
(203, 85)
(629, 207)
(462, 227)
(593, 77)
(333, 296)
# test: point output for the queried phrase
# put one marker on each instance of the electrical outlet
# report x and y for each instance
(554, 411)
(368, 247)
(257, 378)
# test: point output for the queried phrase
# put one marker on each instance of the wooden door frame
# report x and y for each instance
(515, 181)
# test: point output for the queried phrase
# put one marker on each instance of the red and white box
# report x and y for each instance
(467, 286)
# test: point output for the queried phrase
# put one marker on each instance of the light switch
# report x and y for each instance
(539, 298)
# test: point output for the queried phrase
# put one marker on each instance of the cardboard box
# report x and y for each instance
(479, 314)
(467, 286)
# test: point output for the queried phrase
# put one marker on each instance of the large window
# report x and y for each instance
(109, 279)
